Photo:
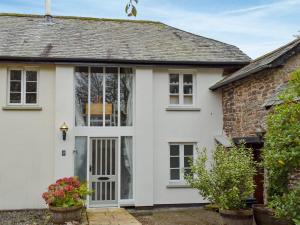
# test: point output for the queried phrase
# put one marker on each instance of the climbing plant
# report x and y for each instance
(282, 148)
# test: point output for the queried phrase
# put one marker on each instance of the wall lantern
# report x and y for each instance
(64, 129)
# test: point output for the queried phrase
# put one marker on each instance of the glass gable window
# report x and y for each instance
(181, 89)
(23, 87)
(181, 156)
(103, 96)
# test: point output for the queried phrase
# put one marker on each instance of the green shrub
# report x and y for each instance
(282, 151)
(287, 205)
(229, 180)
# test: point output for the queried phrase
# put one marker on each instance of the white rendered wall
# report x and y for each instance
(64, 112)
(144, 149)
(183, 126)
(26, 146)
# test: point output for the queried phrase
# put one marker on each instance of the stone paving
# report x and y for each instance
(111, 216)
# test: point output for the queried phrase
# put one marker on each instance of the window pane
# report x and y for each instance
(187, 172)
(126, 96)
(174, 99)
(188, 161)
(31, 75)
(174, 150)
(174, 162)
(188, 89)
(188, 150)
(31, 98)
(174, 89)
(15, 86)
(15, 98)
(111, 97)
(15, 74)
(96, 112)
(188, 79)
(175, 174)
(31, 86)
(188, 100)
(81, 95)
(174, 78)
(126, 168)
(80, 158)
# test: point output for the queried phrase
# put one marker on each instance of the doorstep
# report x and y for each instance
(110, 216)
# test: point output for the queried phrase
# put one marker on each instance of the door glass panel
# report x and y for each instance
(80, 164)
(103, 157)
(81, 96)
(126, 168)
(126, 96)
(111, 96)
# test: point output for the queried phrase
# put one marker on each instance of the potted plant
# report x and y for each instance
(281, 159)
(66, 198)
(227, 182)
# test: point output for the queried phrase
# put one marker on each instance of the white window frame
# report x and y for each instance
(23, 86)
(181, 179)
(181, 88)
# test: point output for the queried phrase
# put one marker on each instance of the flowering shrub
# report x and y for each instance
(66, 192)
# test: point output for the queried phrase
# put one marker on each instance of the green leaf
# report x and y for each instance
(126, 8)
(134, 11)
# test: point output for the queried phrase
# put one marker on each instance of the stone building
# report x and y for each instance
(249, 93)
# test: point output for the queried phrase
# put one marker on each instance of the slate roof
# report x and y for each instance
(270, 60)
(29, 36)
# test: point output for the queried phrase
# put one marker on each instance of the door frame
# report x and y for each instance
(118, 151)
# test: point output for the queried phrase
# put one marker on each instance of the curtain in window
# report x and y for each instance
(80, 159)
(126, 168)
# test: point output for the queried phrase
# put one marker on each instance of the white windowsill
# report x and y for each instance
(22, 108)
(183, 108)
(178, 185)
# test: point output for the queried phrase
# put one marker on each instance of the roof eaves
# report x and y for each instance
(224, 82)
(121, 61)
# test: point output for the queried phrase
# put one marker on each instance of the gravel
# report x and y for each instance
(29, 217)
(191, 216)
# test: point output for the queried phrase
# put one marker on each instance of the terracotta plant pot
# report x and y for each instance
(264, 216)
(63, 215)
(237, 217)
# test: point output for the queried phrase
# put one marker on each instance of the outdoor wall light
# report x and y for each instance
(64, 129)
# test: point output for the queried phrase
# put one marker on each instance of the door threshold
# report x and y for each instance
(102, 206)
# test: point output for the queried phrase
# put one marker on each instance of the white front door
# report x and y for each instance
(103, 176)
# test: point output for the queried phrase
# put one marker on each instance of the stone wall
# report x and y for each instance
(243, 100)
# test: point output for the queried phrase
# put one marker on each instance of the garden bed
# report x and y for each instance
(31, 217)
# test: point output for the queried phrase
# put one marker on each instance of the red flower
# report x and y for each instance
(45, 196)
(68, 188)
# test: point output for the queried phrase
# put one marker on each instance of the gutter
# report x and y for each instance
(57, 60)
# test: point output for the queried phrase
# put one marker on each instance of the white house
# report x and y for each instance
(134, 96)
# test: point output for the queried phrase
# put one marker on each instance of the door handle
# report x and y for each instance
(103, 178)
(90, 168)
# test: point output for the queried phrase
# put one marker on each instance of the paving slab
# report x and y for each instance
(111, 216)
